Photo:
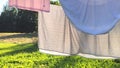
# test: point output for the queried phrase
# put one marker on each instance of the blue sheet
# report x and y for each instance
(92, 16)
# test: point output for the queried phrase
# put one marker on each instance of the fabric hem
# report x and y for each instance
(81, 54)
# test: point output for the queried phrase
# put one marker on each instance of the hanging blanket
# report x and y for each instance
(92, 16)
(33, 5)
(58, 36)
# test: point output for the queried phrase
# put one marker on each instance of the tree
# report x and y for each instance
(17, 20)
(7, 19)
(27, 21)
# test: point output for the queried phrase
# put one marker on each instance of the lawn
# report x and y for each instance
(20, 50)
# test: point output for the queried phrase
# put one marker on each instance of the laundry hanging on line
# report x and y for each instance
(92, 16)
(33, 5)
(58, 36)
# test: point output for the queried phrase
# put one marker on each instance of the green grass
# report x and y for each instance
(26, 55)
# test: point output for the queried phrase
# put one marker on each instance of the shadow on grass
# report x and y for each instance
(68, 61)
(28, 35)
(71, 61)
(22, 48)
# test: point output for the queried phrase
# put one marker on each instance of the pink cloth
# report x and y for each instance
(33, 5)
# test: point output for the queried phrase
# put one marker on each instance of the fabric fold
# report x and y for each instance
(92, 16)
(33, 5)
(58, 36)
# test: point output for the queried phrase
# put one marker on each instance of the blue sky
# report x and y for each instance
(2, 3)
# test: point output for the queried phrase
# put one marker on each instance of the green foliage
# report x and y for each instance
(55, 2)
(28, 56)
(17, 20)
(7, 19)
(26, 21)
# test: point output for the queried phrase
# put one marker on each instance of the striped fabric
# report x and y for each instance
(58, 36)
(33, 5)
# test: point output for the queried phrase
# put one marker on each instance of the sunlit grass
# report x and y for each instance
(26, 55)
(19, 38)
